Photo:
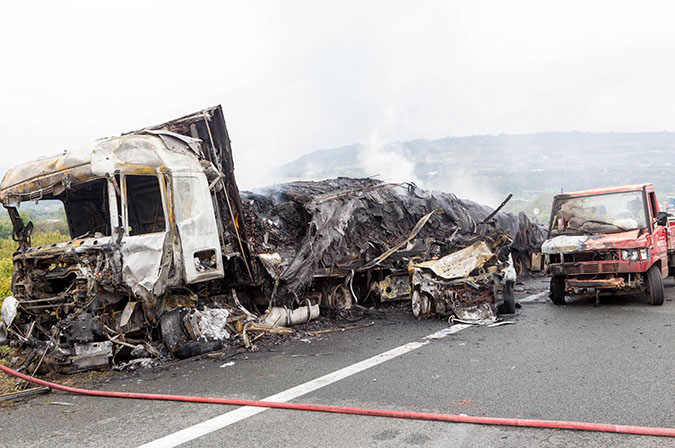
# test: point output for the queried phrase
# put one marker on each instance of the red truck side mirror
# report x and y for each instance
(662, 218)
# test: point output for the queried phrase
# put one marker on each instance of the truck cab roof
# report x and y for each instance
(605, 190)
(143, 152)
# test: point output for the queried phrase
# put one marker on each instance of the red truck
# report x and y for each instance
(610, 240)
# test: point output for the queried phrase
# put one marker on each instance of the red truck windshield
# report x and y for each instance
(602, 213)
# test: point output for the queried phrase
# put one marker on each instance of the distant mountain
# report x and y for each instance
(526, 165)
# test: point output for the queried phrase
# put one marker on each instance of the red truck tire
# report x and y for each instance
(654, 286)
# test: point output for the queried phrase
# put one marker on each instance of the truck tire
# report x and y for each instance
(520, 264)
(654, 286)
(557, 290)
(509, 305)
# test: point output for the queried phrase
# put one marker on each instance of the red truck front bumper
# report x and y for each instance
(605, 283)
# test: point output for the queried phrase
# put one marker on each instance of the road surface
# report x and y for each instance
(613, 363)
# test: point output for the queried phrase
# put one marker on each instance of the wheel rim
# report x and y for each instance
(420, 304)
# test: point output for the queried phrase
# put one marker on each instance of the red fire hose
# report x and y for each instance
(581, 426)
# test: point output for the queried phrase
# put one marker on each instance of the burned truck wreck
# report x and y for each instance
(167, 258)
(345, 241)
(153, 222)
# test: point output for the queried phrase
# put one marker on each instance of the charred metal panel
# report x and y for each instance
(202, 256)
(350, 228)
(393, 287)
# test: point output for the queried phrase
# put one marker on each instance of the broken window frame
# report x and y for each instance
(113, 215)
(124, 208)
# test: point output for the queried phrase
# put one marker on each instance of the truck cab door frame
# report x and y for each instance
(197, 228)
(146, 253)
(659, 237)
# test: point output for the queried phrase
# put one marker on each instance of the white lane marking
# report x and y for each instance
(239, 414)
(533, 297)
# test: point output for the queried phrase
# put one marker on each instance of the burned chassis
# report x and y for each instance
(140, 209)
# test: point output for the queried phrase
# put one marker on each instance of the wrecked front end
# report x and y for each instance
(68, 294)
(594, 264)
(470, 285)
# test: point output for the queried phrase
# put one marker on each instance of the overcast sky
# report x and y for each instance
(296, 76)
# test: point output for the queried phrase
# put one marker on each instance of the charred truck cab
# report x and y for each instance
(608, 241)
(142, 213)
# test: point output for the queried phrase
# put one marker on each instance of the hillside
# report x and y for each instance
(487, 167)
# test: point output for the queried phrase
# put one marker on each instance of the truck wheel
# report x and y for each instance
(509, 305)
(558, 290)
(520, 264)
(421, 306)
(654, 286)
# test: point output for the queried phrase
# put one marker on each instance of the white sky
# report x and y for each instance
(296, 76)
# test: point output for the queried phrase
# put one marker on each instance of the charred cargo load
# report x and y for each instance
(346, 241)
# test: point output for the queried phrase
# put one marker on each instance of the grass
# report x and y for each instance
(5, 278)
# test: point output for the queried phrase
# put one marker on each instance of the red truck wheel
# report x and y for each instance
(558, 290)
(654, 286)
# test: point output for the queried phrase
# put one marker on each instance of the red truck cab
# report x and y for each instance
(610, 240)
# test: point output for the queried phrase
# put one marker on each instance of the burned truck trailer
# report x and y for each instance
(140, 210)
(348, 241)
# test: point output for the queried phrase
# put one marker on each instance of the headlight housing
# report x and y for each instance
(644, 253)
(630, 255)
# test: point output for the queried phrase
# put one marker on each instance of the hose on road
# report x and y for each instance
(552, 424)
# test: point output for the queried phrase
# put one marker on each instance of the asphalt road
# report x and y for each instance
(613, 363)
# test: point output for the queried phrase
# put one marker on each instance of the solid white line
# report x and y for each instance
(239, 414)
(533, 297)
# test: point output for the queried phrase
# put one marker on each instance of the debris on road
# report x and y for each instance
(285, 317)
(25, 393)
(339, 330)
(499, 324)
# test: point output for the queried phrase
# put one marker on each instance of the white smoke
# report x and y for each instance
(466, 186)
(389, 162)
(393, 162)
